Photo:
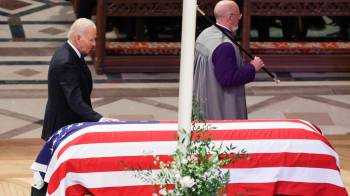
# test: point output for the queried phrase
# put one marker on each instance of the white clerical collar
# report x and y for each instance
(223, 27)
(74, 48)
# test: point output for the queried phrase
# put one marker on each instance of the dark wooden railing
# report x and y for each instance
(327, 60)
(277, 61)
(137, 8)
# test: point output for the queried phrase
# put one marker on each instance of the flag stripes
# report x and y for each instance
(284, 157)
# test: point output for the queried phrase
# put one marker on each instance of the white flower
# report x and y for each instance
(177, 176)
(162, 192)
(184, 161)
(187, 181)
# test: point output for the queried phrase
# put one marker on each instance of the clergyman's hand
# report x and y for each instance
(258, 63)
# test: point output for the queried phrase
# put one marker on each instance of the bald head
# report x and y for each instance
(224, 8)
(80, 26)
(227, 13)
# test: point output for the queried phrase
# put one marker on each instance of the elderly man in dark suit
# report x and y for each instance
(70, 82)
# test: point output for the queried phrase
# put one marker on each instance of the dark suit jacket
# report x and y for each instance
(69, 89)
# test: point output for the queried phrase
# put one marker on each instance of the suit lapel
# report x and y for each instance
(86, 71)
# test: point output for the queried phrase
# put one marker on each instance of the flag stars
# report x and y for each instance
(49, 139)
(59, 131)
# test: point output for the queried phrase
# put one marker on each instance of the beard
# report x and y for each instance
(234, 29)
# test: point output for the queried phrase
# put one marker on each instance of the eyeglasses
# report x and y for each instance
(240, 15)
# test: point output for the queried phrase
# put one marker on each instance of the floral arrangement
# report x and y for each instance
(196, 172)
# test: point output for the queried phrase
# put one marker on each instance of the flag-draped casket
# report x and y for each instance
(289, 157)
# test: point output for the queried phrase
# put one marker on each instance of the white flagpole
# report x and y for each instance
(186, 70)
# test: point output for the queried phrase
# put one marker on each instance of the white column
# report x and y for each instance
(186, 68)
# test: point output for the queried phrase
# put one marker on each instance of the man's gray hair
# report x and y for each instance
(80, 26)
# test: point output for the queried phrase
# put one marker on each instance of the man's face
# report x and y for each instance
(87, 41)
(234, 17)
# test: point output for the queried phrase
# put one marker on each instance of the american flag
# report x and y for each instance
(288, 157)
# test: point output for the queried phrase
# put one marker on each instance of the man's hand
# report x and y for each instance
(257, 63)
(105, 119)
